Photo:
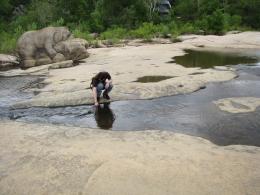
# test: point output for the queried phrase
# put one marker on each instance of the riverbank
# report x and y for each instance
(51, 159)
(69, 87)
(48, 159)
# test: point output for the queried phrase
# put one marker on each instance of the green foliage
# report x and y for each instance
(8, 41)
(146, 31)
(186, 9)
(81, 31)
(215, 22)
(121, 19)
(232, 22)
(114, 33)
(5, 8)
(59, 22)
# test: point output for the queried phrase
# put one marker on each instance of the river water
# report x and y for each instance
(193, 114)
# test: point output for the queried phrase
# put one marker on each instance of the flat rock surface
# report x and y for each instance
(240, 40)
(238, 104)
(47, 159)
(70, 86)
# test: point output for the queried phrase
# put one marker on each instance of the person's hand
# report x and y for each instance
(96, 103)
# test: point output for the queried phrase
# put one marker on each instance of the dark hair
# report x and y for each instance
(100, 77)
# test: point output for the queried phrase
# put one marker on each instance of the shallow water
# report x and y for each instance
(209, 59)
(152, 79)
(193, 114)
(12, 89)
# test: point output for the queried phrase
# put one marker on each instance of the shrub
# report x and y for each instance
(187, 28)
(216, 22)
(8, 40)
(232, 22)
(146, 31)
(59, 22)
(115, 33)
(81, 30)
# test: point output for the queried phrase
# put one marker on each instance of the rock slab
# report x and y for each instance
(50, 45)
(238, 104)
(8, 62)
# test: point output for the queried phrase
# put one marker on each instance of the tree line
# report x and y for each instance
(126, 17)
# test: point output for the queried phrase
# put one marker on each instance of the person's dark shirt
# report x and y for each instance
(101, 77)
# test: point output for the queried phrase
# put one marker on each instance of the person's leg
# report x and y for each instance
(105, 94)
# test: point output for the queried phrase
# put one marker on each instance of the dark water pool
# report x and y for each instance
(209, 59)
(152, 79)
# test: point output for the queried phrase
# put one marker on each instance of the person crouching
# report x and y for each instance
(102, 82)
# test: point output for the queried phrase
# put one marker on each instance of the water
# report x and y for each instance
(209, 59)
(193, 114)
(152, 79)
(12, 89)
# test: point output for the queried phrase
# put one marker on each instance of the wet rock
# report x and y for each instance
(13, 116)
(238, 104)
(8, 62)
(199, 45)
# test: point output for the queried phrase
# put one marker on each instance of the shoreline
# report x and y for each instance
(68, 87)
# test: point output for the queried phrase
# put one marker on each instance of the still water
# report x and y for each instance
(152, 79)
(209, 59)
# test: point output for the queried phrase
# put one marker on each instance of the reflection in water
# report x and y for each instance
(104, 116)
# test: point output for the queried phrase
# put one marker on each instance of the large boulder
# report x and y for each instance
(73, 49)
(50, 45)
(8, 62)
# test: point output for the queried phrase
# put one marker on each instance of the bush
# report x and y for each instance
(81, 31)
(216, 22)
(115, 33)
(187, 28)
(59, 22)
(232, 22)
(8, 40)
(146, 31)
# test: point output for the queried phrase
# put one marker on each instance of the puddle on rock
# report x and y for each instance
(209, 59)
(152, 79)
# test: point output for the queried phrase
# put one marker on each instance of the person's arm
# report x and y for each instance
(94, 90)
(108, 82)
